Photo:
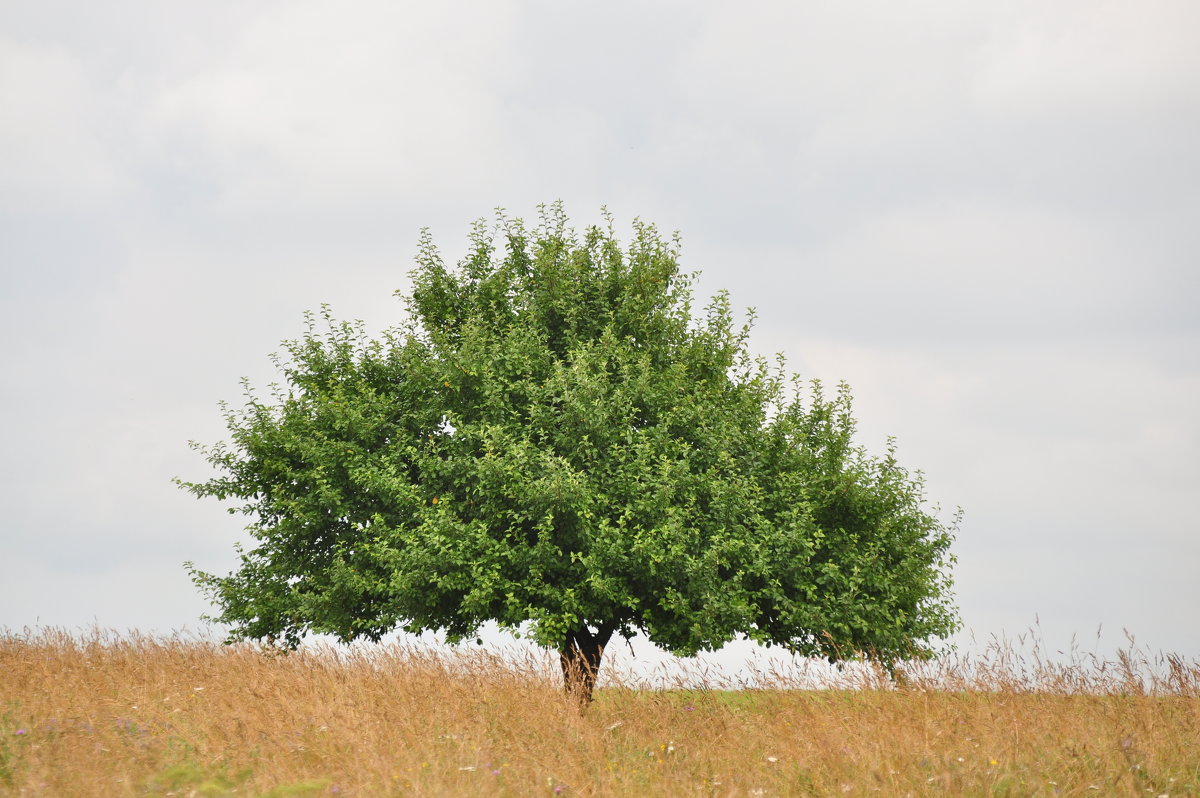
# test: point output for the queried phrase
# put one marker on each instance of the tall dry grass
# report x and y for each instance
(106, 715)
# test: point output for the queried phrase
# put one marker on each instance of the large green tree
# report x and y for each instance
(555, 441)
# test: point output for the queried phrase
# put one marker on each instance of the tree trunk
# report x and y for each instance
(580, 659)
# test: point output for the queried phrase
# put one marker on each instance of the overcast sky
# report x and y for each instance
(984, 216)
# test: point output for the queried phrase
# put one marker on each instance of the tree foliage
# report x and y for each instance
(556, 441)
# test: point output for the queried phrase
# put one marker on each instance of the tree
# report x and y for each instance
(553, 441)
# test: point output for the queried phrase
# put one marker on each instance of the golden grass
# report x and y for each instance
(105, 715)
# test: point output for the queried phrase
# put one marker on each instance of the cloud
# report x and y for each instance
(1072, 459)
(319, 105)
(146, 593)
(52, 129)
(794, 121)
(1069, 59)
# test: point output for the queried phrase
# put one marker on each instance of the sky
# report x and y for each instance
(983, 216)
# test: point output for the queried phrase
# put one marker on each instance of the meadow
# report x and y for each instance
(101, 714)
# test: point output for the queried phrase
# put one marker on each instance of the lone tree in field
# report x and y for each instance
(553, 440)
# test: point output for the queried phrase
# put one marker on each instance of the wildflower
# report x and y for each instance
(993, 762)
(689, 708)
(495, 771)
(20, 731)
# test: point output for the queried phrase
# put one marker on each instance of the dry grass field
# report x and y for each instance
(104, 715)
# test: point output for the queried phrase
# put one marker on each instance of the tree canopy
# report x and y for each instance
(557, 440)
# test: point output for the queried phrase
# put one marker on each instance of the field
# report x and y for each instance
(103, 715)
